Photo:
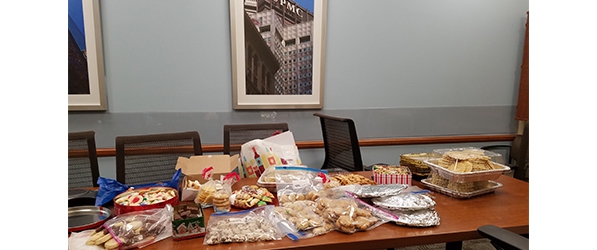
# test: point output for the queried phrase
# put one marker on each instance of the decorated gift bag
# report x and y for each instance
(258, 155)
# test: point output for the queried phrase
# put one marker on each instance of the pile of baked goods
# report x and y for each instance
(133, 229)
(465, 161)
(346, 215)
(251, 196)
(344, 179)
(145, 196)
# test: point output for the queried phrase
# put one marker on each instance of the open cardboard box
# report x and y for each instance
(193, 167)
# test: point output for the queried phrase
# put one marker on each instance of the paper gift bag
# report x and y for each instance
(257, 156)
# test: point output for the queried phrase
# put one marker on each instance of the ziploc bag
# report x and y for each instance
(206, 192)
(299, 183)
(110, 188)
(349, 214)
(134, 229)
(244, 226)
(304, 219)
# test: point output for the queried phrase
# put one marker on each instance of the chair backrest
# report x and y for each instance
(516, 155)
(237, 134)
(152, 158)
(341, 143)
(83, 169)
(520, 153)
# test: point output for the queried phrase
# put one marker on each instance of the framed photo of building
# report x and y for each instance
(278, 53)
(86, 90)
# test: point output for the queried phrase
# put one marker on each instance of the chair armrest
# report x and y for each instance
(504, 238)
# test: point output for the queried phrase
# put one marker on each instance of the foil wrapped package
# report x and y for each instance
(418, 218)
(380, 190)
(410, 201)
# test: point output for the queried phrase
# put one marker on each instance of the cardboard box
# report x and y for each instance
(391, 174)
(188, 222)
(193, 167)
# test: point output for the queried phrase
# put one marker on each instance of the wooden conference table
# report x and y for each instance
(507, 207)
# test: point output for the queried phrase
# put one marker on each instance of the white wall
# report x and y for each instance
(164, 56)
(401, 68)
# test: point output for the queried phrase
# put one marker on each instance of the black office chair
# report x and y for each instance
(83, 170)
(503, 239)
(341, 144)
(517, 154)
(152, 158)
(237, 134)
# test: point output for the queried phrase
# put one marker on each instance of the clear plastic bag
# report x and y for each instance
(134, 229)
(221, 199)
(304, 218)
(349, 214)
(244, 226)
(207, 191)
(299, 183)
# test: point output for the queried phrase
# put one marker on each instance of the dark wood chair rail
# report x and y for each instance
(373, 142)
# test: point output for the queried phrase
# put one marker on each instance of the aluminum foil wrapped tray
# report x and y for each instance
(380, 190)
(405, 202)
(418, 218)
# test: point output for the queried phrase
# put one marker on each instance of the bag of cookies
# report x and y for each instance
(134, 230)
(299, 183)
(207, 191)
(303, 217)
(221, 198)
(349, 214)
(243, 226)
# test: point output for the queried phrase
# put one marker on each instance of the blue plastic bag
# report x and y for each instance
(109, 188)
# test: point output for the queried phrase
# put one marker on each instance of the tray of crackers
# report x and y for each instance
(456, 166)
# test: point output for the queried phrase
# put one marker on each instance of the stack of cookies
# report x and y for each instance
(221, 201)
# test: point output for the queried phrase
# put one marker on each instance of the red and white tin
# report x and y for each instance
(391, 174)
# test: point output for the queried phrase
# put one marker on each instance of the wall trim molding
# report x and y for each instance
(373, 142)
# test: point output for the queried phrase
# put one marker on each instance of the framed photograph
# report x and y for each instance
(86, 90)
(278, 53)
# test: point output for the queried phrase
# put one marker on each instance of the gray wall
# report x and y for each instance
(399, 68)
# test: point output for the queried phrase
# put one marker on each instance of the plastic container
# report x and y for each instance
(494, 157)
(459, 177)
(492, 186)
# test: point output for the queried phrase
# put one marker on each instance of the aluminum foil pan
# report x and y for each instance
(405, 202)
(379, 190)
(419, 218)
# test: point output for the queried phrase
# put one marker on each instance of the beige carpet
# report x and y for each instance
(479, 244)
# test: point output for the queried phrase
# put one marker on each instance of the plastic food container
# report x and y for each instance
(140, 199)
(494, 157)
(453, 176)
(491, 187)
(268, 178)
